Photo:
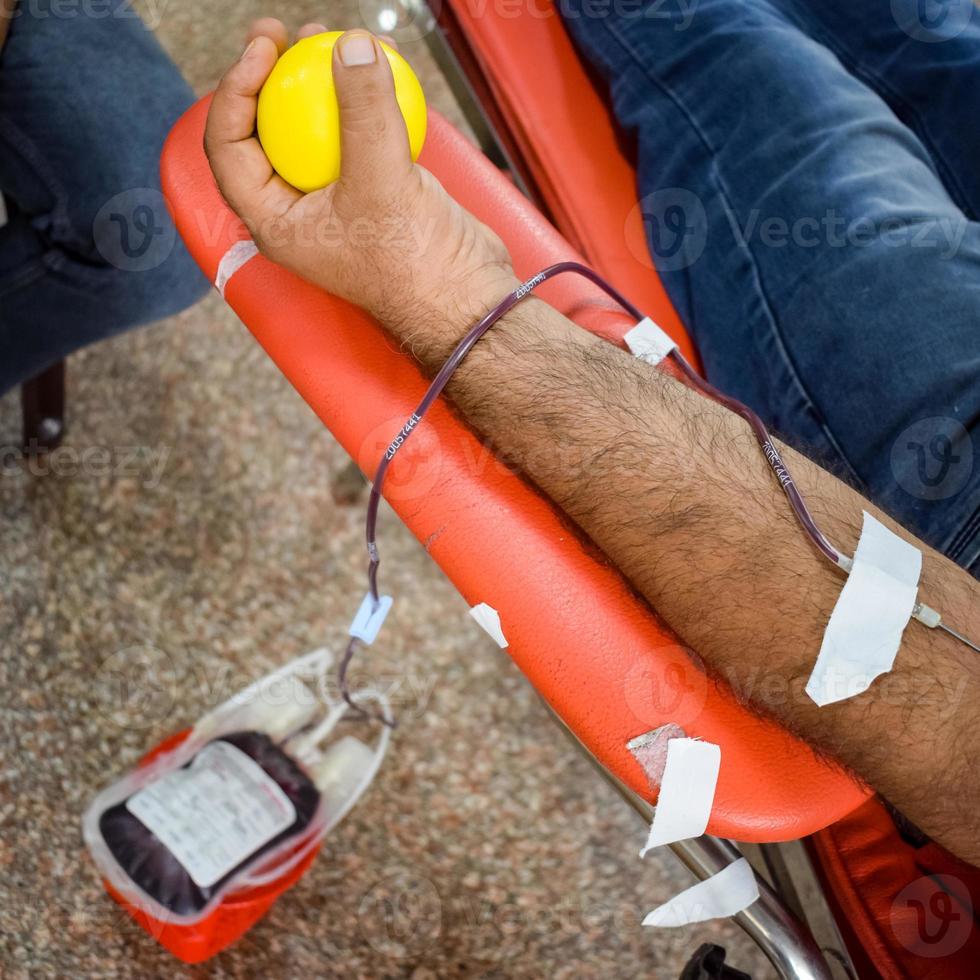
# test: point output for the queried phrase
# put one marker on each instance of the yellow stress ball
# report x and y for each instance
(298, 118)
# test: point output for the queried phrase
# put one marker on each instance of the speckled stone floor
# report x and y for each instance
(135, 594)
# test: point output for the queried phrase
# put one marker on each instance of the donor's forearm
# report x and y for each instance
(675, 490)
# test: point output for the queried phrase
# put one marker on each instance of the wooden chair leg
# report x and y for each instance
(43, 403)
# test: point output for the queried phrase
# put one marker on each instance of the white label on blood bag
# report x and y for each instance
(215, 813)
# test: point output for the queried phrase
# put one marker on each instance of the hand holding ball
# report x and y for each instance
(299, 120)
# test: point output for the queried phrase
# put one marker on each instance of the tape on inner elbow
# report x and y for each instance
(865, 629)
(232, 261)
(489, 620)
(649, 342)
(687, 792)
(728, 892)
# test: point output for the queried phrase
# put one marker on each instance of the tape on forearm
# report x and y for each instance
(865, 629)
(687, 792)
(728, 892)
(649, 342)
(489, 620)
(232, 261)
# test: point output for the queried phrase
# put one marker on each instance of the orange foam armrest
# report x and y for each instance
(599, 656)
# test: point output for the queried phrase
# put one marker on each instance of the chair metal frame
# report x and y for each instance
(42, 400)
(800, 940)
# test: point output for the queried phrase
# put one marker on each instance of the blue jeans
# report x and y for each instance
(87, 97)
(809, 175)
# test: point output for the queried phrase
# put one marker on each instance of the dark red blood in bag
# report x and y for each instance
(152, 866)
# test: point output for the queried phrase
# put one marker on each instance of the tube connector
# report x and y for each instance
(926, 615)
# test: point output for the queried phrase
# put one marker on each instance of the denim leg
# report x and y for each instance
(808, 242)
(87, 97)
(923, 58)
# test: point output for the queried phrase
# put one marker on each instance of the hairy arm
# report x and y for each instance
(670, 485)
(677, 493)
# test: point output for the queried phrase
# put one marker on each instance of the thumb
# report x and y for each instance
(373, 138)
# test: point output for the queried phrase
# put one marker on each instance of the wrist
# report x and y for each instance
(432, 324)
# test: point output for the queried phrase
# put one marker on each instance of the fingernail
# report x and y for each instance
(248, 49)
(357, 48)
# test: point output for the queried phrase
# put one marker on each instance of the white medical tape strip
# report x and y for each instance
(489, 619)
(687, 791)
(232, 261)
(649, 342)
(865, 629)
(369, 618)
(728, 892)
